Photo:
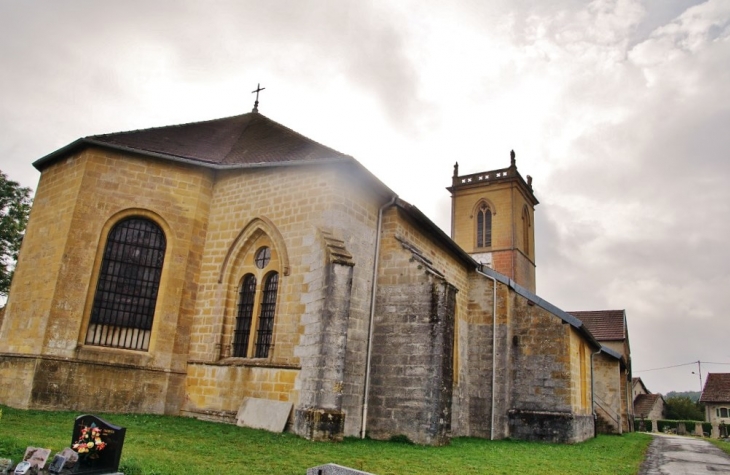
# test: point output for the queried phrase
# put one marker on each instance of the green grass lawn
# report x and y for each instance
(177, 445)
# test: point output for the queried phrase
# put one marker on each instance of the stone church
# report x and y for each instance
(186, 269)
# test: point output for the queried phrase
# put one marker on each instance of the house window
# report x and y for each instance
(127, 287)
(254, 329)
(723, 412)
(484, 226)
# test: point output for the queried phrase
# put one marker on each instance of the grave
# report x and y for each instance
(98, 444)
(56, 466)
(37, 457)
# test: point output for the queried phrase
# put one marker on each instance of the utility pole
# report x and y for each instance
(699, 372)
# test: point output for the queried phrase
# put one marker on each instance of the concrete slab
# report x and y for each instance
(263, 414)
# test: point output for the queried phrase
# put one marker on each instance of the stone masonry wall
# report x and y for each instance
(78, 201)
(606, 374)
(412, 370)
(550, 396)
(508, 254)
(473, 398)
(296, 204)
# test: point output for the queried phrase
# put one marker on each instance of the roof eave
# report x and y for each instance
(79, 144)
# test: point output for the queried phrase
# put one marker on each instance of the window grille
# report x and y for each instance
(266, 318)
(245, 316)
(126, 291)
(484, 226)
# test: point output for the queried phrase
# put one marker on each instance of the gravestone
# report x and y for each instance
(70, 456)
(57, 464)
(98, 444)
(37, 456)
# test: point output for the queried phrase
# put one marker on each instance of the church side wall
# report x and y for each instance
(472, 408)
(114, 186)
(550, 396)
(299, 204)
(414, 361)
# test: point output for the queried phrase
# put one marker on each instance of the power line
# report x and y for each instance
(665, 367)
(677, 366)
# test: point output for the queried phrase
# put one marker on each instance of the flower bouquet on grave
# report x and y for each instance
(90, 443)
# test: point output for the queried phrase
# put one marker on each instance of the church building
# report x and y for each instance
(187, 269)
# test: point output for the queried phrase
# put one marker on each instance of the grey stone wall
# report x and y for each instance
(412, 358)
(322, 352)
(473, 400)
(546, 426)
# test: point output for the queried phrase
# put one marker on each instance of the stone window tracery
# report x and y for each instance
(257, 295)
(484, 226)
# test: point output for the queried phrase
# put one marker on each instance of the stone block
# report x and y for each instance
(263, 414)
(334, 469)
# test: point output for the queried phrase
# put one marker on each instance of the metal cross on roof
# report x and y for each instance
(256, 104)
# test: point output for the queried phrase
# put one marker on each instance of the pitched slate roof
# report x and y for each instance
(243, 140)
(717, 388)
(605, 325)
(644, 403)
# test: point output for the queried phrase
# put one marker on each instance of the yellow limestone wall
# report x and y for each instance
(78, 200)
(509, 255)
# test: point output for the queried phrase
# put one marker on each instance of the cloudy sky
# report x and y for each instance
(619, 109)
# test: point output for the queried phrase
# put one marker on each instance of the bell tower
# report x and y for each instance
(492, 219)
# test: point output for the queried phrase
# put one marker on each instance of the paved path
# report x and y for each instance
(676, 455)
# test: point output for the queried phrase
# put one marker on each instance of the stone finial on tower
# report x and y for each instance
(512, 161)
(456, 169)
(529, 181)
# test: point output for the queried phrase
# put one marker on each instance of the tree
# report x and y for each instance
(15, 204)
(682, 408)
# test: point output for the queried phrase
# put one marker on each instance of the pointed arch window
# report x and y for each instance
(484, 226)
(526, 230)
(253, 332)
(266, 319)
(127, 286)
(247, 296)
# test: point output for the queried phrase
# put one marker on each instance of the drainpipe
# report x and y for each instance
(593, 395)
(366, 392)
(494, 345)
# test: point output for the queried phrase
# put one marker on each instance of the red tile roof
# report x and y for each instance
(605, 325)
(644, 403)
(717, 388)
(243, 140)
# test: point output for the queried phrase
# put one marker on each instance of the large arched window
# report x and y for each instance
(484, 226)
(127, 287)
